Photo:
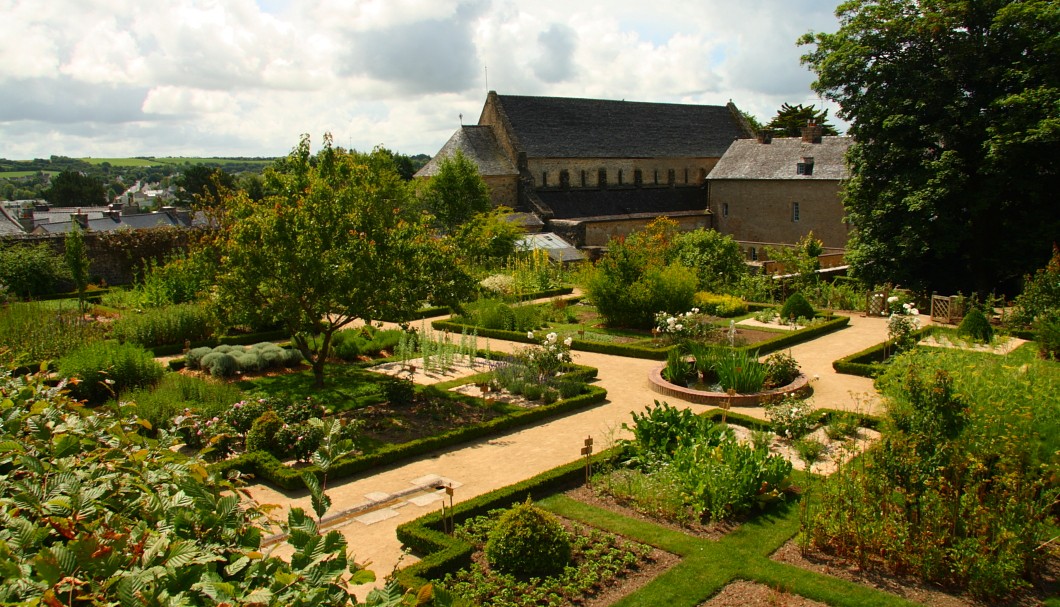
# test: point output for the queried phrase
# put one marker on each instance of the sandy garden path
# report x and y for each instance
(378, 503)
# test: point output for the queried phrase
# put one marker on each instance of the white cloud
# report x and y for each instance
(244, 77)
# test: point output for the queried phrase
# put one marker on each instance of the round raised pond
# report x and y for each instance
(800, 386)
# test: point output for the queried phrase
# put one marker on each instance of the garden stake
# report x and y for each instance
(587, 451)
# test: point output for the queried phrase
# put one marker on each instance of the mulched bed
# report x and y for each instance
(742, 593)
(911, 589)
(425, 416)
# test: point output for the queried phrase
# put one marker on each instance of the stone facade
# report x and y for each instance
(764, 211)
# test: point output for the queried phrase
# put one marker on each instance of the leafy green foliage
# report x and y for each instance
(161, 403)
(677, 369)
(716, 258)
(633, 282)
(487, 238)
(173, 324)
(304, 253)
(77, 261)
(724, 306)
(89, 506)
(455, 193)
(740, 370)
(952, 106)
(796, 306)
(262, 433)
(203, 185)
(781, 369)
(528, 541)
(34, 332)
(1041, 292)
(791, 417)
(75, 189)
(1047, 334)
(29, 271)
(975, 326)
(961, 486)
(791, 119)
(107, 369)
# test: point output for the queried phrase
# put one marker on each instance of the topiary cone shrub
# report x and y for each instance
(976, 326)
(528, 541)
(796, 306)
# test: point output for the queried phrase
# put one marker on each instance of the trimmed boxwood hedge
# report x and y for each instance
(269, 469)
(782, 340)
(432, 311)
(869, 362)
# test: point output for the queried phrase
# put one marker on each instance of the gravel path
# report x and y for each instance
(391, 495)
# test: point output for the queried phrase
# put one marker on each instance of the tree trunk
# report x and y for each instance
(321, 358)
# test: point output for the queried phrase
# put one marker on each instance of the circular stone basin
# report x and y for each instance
(800, 385)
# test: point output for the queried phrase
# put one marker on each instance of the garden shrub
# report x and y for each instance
(975, 326)
(107, 369)
(781, 369)
(161, 403)
(724, 306)
(716, 258)
(165, 325)
(34, 332)
(791, 417)
(221, 364)
(262, 433)
(528, 541)
(796, 306)
(193, 358)
(30, 271)
(399, 391)
(1041, 292)
(1047, 334)
(677, 369)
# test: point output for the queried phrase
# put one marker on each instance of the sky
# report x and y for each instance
(117, 78)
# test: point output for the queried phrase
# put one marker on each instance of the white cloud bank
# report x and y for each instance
(239, 77)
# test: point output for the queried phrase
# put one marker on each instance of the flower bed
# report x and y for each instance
(800, 386)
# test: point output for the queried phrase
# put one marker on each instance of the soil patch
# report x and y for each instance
(603, 501)
(911, 589)
(742, 593)
(415, 370)
(835, 453)
(424, 416)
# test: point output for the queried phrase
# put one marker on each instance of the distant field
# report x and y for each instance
(144, 162)
(14, 174)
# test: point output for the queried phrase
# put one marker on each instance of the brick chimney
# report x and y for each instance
(80, 218)
(25, 219)
(812, 132)
(114, 210)
(765, 136)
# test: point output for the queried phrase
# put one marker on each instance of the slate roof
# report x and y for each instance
(577, 203)
(749, 159)
(106, 224)
(479, 144)
(9, 225)
(560, 127)
(558, 250)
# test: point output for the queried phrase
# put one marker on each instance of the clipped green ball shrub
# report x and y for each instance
(796, 306)
(527, 540)
(262, 434)
(976, 327)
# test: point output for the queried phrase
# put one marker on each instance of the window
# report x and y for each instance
(602, 178)
(724, 209)
(564, 179)
(671, 176)
(795, 212)
(583, 178)
(656, 180)
(638, 177)
(805, 167)
(544, 179)
(686, 176)
(754, 254)
(619, 176)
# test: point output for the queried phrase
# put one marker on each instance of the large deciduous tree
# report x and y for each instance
(332, 241)
(73, 189)
(955, 108)
(203, 185)
(456, 193)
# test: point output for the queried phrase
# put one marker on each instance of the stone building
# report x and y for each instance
(592, 168)
(768, 190)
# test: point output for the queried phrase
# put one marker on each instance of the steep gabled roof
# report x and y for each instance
(479, 145)
(579, 203)
(560, 127)
(749, 159)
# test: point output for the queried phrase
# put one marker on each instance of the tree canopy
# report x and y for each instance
(455, 193)
(955, 109)
(203, 184)
(333, 240)
(73, 189)
(791, 119)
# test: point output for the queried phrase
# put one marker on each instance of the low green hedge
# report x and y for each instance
(869, 362)
(268, 468)
(432, 311)
(444, 554)
(790, 338)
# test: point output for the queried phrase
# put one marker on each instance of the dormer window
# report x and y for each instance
(805, 167)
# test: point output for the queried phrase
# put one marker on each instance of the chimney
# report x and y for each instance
(114, 211)
(805, 167)
(169, 210)
(80, 218)
(811, 133)
(184, 216)
(25, 219)
(765, 136)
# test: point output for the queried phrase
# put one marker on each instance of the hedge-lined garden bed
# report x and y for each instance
(871, 361)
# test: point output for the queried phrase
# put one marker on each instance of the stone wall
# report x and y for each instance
(763, 210)
(115, 258)
(504, 190)
(587, 172)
